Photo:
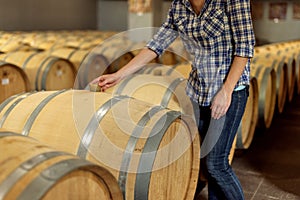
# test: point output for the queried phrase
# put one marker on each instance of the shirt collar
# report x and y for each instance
(189, 5)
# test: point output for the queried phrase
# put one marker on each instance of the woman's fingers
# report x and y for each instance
(218, 112)
(220, 104)
(108, 80)
(95, 81)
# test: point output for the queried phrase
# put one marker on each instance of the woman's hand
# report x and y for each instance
(106, 81)
(220, 103)
(222, 99)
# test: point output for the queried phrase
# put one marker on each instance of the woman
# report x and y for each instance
(219, 36)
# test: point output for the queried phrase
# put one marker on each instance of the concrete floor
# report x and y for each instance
(270, 168)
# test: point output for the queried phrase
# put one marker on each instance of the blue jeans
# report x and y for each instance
(215, 148)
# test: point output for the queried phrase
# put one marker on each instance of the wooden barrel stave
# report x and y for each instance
(119, 132)
(91, 66)
(246, 130)
(169, 91)
(31, 170)
(88, 64)
(267, 94)
(117, 52)
(44, 72)
(13, 80)
(280, 68)
(286, 55)
(143, 86)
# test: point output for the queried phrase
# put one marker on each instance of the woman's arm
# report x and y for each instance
(161, 40)
(109, 80)
(239, 15)
(222, 100)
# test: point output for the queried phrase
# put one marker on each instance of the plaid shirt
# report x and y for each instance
(222, 30)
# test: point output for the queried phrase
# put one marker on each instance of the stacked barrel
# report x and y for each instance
(35, 61)
(142, 145)
(53, 60)
(132, 141)
(33, 170)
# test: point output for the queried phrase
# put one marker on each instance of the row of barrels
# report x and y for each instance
(87, 40)
(124, 120)
(46, 40)
(283, 65)
(95, 136)
(26, 66)
(146, 148)
(271, 56)
(123, 128)
(33, 170)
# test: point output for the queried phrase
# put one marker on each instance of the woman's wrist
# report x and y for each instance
(228, 89)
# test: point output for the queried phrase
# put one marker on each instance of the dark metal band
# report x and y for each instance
(45, 73)
(94, 123)
(132, 144)
(168, 94)
(24, 168)
(8, 100)
(71, 54)
(148, 70)
(8, 133)
(172, 69)
(39, 71)
(28, 59)
(49, 177)
(262, 94)
(147, 158)
(7, 112)
(37, 110)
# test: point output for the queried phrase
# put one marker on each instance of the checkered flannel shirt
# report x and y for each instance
(222, 30)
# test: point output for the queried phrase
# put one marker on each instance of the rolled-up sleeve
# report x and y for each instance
(239, 13)
(165, 36)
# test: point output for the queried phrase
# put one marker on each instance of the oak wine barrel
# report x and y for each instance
(246, 130)
(88, 64)
(44, 72)
(13, 80)
(166, 91)
(147, 148)
(32, 170)
(281, 70)
(287, 57)
(266, 79)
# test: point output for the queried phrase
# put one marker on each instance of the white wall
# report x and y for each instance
(268, 31)
(113, 15)
(47, 14)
